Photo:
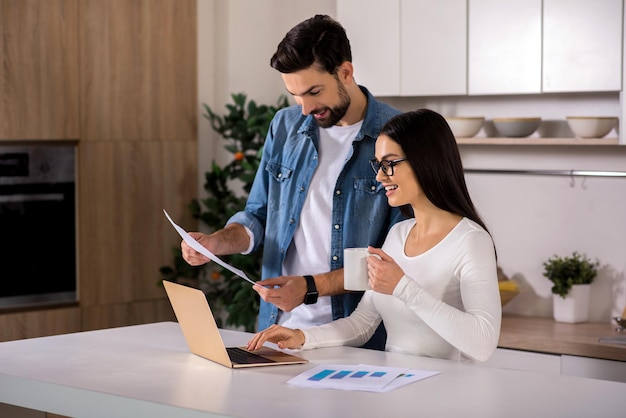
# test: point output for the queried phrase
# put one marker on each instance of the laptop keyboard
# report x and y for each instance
(240, 356)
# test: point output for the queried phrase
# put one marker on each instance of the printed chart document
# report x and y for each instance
(359, 377)
(198, 247)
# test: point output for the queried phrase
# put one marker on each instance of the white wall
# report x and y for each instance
(237, 38)
(534, 217)
(530, 217)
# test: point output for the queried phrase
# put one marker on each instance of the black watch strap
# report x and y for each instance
(311, 291)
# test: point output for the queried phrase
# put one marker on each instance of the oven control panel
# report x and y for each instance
(37, 164)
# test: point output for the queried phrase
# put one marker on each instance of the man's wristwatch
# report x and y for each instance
(311, 291)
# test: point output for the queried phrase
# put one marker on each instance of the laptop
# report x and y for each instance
(203, 338)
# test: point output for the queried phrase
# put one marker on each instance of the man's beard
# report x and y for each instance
(336, 113)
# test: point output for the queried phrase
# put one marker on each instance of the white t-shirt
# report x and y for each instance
(309, 252)
(447, 305)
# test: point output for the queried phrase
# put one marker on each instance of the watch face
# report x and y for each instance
(311, 294)
(310, 298)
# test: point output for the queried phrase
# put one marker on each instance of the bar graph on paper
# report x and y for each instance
(359, 377)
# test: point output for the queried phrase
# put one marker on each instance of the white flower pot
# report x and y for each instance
(575, 307)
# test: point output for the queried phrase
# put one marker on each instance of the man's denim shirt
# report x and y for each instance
(361, 215)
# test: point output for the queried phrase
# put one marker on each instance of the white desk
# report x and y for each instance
(147, 371)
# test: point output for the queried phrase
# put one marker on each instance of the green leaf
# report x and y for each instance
(564, 272)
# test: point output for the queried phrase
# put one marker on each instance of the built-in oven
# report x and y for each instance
(37, 224)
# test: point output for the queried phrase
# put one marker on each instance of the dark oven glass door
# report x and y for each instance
(38, 244)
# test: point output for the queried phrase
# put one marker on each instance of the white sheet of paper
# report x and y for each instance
(358, 377)
(202, 250)
(407, 377)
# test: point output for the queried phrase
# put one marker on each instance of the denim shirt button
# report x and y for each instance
(373, 188)
(336, 226)
(291, 221)
(335, 258)
(338, 192)
(301, 189)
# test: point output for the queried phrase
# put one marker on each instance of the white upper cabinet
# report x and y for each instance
(408, 47)
(484, 47)
(582, 46)
(433, 47)
(504, 47)
(373, 29)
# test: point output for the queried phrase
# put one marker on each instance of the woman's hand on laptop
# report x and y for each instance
(281, 336)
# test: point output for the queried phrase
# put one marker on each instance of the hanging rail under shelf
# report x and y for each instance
(567, 173)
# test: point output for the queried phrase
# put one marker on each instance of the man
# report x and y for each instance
(314, 193)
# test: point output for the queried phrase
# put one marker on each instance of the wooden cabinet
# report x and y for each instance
(582, 45)
(124, 314)
(39, 323)
(39, 70)
(138, 145)
(127, 92)
(138, 70)
(124, 236)
(504, 47)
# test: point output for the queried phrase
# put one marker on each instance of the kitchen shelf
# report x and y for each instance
(537, 141)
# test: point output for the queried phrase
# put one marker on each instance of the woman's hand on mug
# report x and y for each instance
(383, 272)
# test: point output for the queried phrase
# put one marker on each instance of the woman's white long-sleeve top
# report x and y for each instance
(447, 305)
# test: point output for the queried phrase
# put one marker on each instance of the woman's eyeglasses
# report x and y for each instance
(385, 165)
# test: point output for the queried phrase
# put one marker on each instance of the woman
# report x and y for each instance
(435, 285)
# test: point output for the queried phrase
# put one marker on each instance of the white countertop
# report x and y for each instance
(147, 370)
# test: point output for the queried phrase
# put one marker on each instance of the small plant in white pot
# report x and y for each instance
(571, 278)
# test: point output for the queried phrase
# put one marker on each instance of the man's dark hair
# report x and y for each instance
(320, 40)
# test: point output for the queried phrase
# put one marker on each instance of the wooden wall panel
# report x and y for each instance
(39, 323)
(180, 186)
(118, 195)
(125, 314)
(124, 236)
(101, 272)
(39, 69)
(138, 70)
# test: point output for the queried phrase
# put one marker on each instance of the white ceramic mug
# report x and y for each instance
(355, 269)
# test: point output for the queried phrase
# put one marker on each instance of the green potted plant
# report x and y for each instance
(571, 277)
(244, 128)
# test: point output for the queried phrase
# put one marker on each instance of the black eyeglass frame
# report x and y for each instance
(385, 165)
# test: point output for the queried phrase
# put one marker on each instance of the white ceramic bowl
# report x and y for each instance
(516, 127)
(465, 126)
(591, 126)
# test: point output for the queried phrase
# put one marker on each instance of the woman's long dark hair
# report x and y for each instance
(430, 147)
